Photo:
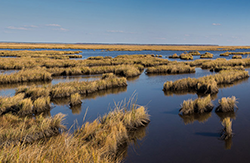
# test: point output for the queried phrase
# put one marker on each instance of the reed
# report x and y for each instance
(16, 131)
(110, 47)
(235, 53)
(26, 75)
(171, 69)
(237, 57)
(218, 69)
(207, 55)
(75, 99)
(102, 140)
(199, 105)
(194, 52)
(207, 84)
(186, 56)
(227, 104)
(174, 56)
(223, 62)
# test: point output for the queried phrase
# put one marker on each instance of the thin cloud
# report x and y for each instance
(115, 31)
(31, 26)
(53, 25)
(216, 24)
(17, 28)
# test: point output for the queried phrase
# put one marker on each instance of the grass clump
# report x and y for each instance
(237, 57)
(207, 55)
(218, 69)
(9, 103)
(194, 52)
(16, 131)
(41, 104)
(171, 69)
(26, 75)
(174, 56)
(199, 105)
(226, 104)
(75, 99)
(186, 56)
(207, 84)
(104, 140)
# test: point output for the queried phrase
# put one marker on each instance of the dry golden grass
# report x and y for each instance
(237, 57)
(26, 75)
(171, 69)
(219, 62)
(207, 84)
(234, 53)
(206, 55)
(226, 104)
(186, 56)
(199, 105)
(218, 69)
(194, 52)
(174, 56)
(61, 90)
(16, 131)
(41, 54)
(109, 47)
(75, 99)
(104, 140)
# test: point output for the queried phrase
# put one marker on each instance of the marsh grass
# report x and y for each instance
(194, 52)
(227, 104)
(61, 90)
(26, 75)
(219, 62)
(237, 57)
(75, 99)
(171, 69)
(207, 84)
(218, 69)
(199, 105)
(40, 54)
(206, 55)
(106, 139)
(186, 56)
(174, 56)
(16, 131)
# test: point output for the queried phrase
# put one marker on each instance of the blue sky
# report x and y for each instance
(223, 22)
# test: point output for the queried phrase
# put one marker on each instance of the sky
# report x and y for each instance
(220, 22)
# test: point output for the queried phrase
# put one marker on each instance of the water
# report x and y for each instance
(165, 53)
(168, 137)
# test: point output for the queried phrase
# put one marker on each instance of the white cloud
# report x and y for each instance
(187, 35)
(216, 24)
(53, 25)
(18, 28)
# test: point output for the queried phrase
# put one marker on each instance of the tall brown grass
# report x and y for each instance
(103, 140)
(207, 84)
(110, 47)
(26, 75)
(199, 105)
(171, 69)
(226, 104)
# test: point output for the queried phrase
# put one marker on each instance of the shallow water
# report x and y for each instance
(165, 53)
(168, 137)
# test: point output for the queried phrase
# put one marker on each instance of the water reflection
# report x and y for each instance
(65, 101)
(201, 118)
(76, 109)
(227, 132)
(134, 137)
